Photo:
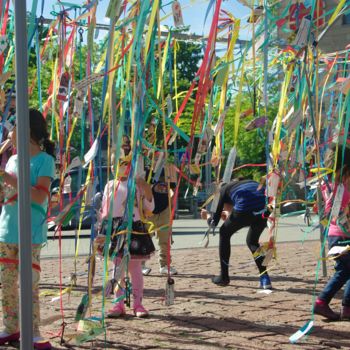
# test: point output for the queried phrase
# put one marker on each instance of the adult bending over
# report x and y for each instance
(248, 201)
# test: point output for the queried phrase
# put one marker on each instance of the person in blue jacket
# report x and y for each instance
(247, 200)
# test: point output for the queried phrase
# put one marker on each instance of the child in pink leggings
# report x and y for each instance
(141, 246)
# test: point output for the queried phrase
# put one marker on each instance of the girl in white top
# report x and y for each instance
(144, 199)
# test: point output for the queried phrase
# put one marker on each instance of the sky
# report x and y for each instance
(193, 12)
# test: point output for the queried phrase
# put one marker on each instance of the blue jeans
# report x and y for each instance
(341, 276)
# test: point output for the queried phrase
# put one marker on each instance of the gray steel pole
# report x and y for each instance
(23, 188)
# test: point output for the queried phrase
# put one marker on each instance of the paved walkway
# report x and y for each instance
(206, 316)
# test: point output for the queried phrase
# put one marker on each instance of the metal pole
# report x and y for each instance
(322, 237)
(23, 186)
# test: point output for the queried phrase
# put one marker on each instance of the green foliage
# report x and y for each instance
(188, 56)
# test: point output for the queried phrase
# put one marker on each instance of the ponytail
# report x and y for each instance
(49, 147)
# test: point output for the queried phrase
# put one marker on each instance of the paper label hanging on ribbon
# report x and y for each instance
(229, 165)
(169, 104)
(172, 139)
(177, 14)
(91, 153)
(79, 103)
(3, 43)
(215, 201)
(67, 184)
(273, 180)
(301, 39)
(204, 141)
(337, 201)
(63, 88)
(171, 172)
(196, 187)
(220, 122)
(169, 292)
(84, 83)
(159, 165)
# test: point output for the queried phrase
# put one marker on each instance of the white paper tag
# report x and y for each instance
(84, 83)
(177, 14)
(67, 184)
(303, 32)
(169, 292)
(229, 165)
(91, 153)
(337, 201)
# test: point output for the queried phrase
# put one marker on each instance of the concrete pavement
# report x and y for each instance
(188, 233)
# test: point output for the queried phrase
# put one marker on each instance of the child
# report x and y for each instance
(42, 165)
(143, 200)
(161, 221)
(337, 236)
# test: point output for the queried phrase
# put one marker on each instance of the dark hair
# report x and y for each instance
(39, 133)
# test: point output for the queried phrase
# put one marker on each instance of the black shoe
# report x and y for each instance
(220, 281)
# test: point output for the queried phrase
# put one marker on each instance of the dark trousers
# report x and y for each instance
(341, 276)
(235, 222)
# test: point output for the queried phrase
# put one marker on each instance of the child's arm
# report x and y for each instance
(39, 192)
(145, 189)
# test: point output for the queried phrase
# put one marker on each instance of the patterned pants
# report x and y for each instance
(163, 234)
(9, 281)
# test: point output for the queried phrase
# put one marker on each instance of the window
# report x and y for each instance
(346, 19)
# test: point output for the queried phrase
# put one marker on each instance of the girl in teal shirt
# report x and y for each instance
(42, 167)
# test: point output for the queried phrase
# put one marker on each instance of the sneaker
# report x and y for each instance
(7, 338)
(140, 311)
(164, 270)
(146, 270)
(345, 313)
(323, 309)
(265, 282)
(118, 310)
(220, 281)
(40, 343)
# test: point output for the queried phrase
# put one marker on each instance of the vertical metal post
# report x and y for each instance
(23, 188)
(320, 214)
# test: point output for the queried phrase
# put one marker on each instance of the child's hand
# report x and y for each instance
(204, 214)
(99, 243)
(100, 239)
